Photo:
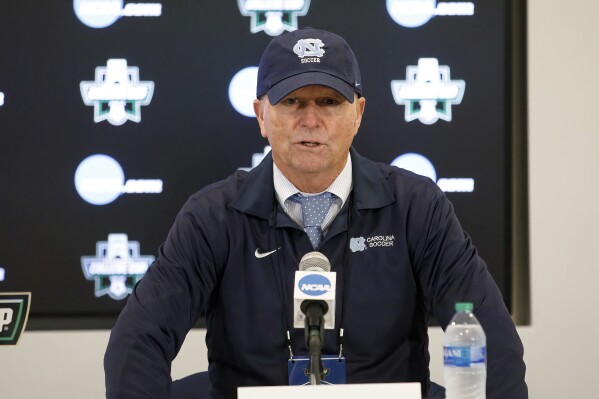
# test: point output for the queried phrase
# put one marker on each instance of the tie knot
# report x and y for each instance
(314, 208)
(314, 211)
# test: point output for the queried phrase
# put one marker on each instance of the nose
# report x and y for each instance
(310, 117)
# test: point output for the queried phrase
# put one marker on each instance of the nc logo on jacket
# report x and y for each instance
(314, 285)
(357, 244)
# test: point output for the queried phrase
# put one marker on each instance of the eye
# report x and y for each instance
(331, 101)
(289, 101)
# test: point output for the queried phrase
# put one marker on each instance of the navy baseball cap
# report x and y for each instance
(307, 57)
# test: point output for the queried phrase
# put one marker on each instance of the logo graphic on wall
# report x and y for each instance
(14, 312)
(421, 165)
(103, 13)
(99, 180)
(415, 13)
(117, 94)
(2, 273)
(1, 99)
(428, 91)
(242, 91)
(273, 16)
(117, 266)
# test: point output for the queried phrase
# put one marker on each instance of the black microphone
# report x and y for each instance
(314, 331)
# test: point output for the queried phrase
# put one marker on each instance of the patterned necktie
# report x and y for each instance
(314, 210)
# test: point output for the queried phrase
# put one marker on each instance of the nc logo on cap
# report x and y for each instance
(309, 48)
(314, 285)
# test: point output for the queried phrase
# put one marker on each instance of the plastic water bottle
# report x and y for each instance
(465, 355)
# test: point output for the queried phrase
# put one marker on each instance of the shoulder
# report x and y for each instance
(216, 196)
(226, 187)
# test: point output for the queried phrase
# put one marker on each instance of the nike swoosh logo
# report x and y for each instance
(259, 254)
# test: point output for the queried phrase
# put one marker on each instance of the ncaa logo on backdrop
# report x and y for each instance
(103, 13)
(242, 91)
(415, 13)
(428, 92)
(117, 266)
(117, 94)
(421, 165)
(314, 285)
(273, 16)
(99, 180)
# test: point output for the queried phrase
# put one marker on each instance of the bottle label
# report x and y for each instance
(465, 356)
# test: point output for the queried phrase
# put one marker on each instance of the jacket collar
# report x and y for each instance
(256, 195)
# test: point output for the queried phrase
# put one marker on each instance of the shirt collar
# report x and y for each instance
(341, 186)
(256, 194)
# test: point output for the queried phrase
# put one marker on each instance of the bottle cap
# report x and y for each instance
(464, 307)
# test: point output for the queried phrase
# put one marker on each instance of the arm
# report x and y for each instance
(450, 270)
(162, 309)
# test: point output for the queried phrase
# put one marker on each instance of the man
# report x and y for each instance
(233, 250)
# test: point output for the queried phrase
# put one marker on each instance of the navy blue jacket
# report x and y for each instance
(207, 266)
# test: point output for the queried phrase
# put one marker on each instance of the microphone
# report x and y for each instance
(315, 262)
(314, 295)
(314, 282)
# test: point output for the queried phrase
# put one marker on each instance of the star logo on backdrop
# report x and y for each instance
(117, 94)
(428, 92)
(117, 266)
(273, 16)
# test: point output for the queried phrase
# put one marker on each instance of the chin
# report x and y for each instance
(307, 166)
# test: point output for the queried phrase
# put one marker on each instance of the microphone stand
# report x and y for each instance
(314, 330)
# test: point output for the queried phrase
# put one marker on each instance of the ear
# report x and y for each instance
(360, 105)
(259, 111)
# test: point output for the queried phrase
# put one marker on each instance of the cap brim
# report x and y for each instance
(286, 86)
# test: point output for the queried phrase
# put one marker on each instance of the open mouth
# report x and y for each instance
(310, 143)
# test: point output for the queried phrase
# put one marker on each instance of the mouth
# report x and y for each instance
(310, 144)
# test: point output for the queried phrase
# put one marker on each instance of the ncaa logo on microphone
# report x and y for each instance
(314, 285)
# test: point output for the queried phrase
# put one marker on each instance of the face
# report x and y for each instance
(310, 132)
